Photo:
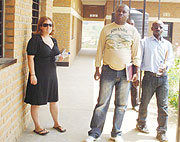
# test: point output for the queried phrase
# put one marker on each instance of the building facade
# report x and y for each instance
(19, 19)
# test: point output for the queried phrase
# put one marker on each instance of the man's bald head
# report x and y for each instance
(159, 22)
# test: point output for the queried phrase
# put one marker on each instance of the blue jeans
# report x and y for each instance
(109, 79)
(158, 85)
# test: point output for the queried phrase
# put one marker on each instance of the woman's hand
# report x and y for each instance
(33, 79)
(61, 58)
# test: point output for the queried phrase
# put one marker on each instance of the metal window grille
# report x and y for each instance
(35, 14)
(1, 28)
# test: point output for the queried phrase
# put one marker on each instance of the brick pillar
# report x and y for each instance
(9, 28)
(46, 8)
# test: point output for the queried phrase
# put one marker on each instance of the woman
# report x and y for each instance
(42, 86)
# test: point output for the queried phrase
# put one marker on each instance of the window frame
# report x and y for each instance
(1, 27)
(169, 31)
(35, 14)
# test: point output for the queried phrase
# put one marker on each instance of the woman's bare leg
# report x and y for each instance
(55, 113)
(35, 118)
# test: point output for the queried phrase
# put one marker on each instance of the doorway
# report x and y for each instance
(90, 33)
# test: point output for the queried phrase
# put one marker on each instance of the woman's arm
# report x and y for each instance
(33, 78)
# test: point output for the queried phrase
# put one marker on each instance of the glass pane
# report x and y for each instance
(34, 27)
(34, 6)
(166, 31)
(1, 7)
(1, 28)
(37, 7)
(0, 39)
(34, 14)
(33, 21)
(37, 15)
(0, 15)
(0, 51)
(36, 21)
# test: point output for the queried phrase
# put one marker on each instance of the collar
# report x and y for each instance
(154, 38)
(119, 25)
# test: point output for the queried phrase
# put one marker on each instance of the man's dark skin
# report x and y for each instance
(121, 15)
(157, 29)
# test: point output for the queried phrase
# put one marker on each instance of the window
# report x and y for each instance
(1, 28)
(167, 33)
(35, 14)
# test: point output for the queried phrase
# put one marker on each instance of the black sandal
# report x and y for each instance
(60, 129)
(40, 132)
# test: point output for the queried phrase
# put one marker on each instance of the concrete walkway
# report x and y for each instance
(78, 93)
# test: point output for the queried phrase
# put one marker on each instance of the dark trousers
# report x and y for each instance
(134, 96)
(159, 86)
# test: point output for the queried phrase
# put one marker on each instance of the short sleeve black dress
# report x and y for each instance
(46, 89)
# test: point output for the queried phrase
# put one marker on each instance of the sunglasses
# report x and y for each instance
(46, 25)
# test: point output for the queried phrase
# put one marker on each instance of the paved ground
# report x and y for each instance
(78, 94)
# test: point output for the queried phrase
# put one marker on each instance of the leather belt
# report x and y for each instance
(151, 74)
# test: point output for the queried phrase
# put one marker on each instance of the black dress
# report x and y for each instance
(46, 89)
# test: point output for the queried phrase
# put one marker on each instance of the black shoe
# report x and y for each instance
(142, 128)
(162, 137)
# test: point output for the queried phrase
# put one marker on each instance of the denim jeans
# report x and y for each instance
(109, 79)
(159, 86)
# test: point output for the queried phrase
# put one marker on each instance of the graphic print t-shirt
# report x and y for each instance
(118, 45)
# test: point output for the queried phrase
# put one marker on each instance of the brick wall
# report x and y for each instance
(46, 8)
(9, 28)
(14, 114)
(62, 29)
(176, 34)
(108, 12)
(93, 10)
(152, 8)
(62, 3)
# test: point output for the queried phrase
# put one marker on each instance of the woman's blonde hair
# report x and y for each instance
(40, 23)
